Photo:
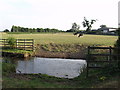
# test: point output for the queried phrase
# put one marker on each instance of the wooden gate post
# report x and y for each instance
(110, 52)
(88, 56)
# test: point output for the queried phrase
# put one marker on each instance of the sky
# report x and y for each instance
(119, 14)
(59, 14)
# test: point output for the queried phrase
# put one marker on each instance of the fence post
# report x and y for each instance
(110, 52)
(118, 57)
(32, 45)
(16, 43)
(88, 56)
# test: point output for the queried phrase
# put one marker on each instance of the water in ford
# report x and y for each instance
(64, 68)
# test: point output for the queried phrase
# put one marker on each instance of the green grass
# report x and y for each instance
(97, 78)
(16, 51)
(66, 38)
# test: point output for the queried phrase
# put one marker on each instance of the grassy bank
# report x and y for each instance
(9, 52)
(97, 79)
(16, 51)
(61, 50)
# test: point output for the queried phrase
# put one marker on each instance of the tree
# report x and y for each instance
(11, 41)
(31, 30)
(103, 26)
(22, 29)
(6, 30)
(47, 30)
(34, 30)
(38, 29)
(88, 24)
(75, 27)
(13, 29)
(41, 29)
(19, 29)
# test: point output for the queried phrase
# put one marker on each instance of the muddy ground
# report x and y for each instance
(80, 53)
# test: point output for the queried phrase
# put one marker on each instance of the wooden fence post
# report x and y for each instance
(110, 52)
(32, 45)
(16, 43)
(88, 56)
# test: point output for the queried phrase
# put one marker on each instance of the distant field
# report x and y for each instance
(66, 38)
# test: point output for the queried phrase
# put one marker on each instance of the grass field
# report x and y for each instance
(66, 38)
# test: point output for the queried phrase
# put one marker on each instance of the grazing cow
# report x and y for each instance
(80, 34)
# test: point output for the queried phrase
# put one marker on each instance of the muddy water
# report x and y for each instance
(66, 68)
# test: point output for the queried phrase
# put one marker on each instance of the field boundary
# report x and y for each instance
(23, 44)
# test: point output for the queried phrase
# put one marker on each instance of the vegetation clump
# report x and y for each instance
(11, 42)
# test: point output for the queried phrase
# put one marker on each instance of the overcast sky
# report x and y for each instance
(58, 14)
(119, 14)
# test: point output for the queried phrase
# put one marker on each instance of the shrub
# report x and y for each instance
(8, 67)
(111, 69)
(11, 42)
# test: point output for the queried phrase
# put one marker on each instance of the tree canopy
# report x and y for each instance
(88, 24)
(6, 30)
(75, 27)
(31, 30)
